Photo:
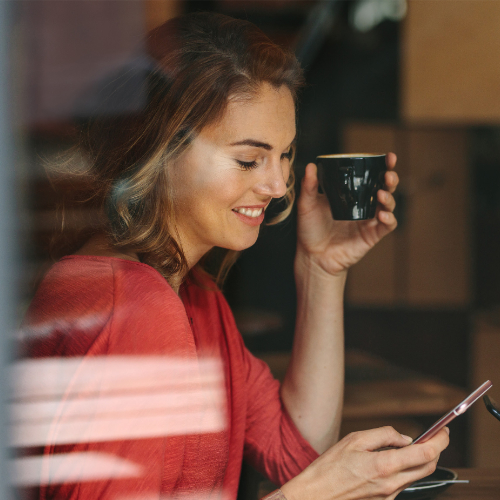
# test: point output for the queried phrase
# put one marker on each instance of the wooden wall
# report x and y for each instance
(450, 69)
(426, 261)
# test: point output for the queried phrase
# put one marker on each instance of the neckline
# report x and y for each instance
(108, 257)
(101, 258)
(127, 261)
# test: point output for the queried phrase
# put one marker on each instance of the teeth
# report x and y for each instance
(249, 212)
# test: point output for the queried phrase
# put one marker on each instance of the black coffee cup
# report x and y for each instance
(351, 182)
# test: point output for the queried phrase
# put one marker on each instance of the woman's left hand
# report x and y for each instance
(333, 245)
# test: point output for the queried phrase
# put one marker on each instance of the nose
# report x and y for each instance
(274, 178)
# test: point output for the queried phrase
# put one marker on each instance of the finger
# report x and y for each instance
(310, 180)
(390, 160)
(409, 476)
(388, 219)
(374, 439)
(309, 191)
(391, 180)
(418, 455)
(386, 200)
(412, 474)
(390, 463)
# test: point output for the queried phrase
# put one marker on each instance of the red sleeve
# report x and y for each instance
(273, 444)
(119, 344)
(269, 438)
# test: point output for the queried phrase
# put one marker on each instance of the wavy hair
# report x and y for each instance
(196, 63)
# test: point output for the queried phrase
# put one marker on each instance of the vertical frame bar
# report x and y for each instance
(8, 288)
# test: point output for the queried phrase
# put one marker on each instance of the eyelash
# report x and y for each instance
(248, 165)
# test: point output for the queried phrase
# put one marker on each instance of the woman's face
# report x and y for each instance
(225, 180)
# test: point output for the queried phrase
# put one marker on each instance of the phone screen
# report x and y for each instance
(458, 410)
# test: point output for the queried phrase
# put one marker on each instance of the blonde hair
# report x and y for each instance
(198, 62)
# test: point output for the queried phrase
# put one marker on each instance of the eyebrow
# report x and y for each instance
(253, 143)
(257, 144)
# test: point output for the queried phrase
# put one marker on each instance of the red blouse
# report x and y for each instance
(147, 395)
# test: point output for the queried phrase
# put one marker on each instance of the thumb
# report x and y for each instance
(383, 437)
(309, 189)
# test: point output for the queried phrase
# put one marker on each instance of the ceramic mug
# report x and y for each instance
(351, 182)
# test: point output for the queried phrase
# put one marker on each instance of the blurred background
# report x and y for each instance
(417, 77)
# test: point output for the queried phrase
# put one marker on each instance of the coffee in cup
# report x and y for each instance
(351, 182)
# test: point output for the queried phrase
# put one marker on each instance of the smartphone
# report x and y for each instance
(458, 410)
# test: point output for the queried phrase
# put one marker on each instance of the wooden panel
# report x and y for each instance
(485, 365)
(437, 229)
(377, 389)
(373, 280)
(426, 261)
(450, 61)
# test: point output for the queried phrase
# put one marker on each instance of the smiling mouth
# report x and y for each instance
(254, 213)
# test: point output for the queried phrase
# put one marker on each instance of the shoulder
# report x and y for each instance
(77, 286)
(70, 288)
(132, 301)
(77, 281)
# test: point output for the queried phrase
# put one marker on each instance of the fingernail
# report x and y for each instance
(407, 438)
(447, 430)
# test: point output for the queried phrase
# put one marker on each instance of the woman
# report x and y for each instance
(194, 171)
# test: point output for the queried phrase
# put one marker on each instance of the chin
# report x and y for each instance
(243, 243)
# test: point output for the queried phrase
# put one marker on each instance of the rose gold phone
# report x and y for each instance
(458, 410)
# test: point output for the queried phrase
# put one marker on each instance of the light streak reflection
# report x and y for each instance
(106, 398)
(70, 467)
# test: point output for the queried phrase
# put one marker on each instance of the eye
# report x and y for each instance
(247, 165)
(288, 155)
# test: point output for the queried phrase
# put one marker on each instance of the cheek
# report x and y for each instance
(208, 182)
(218, 191)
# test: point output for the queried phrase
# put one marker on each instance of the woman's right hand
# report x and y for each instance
(353, 469)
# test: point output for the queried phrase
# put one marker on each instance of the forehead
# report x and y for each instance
(268, 116)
